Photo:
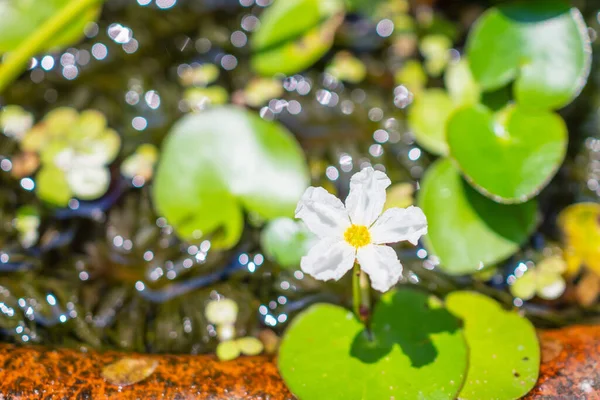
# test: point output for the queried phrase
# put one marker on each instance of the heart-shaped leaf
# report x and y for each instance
(468, 231)
(509, 156)
(286, 241)
(504, 353)
(427, 118)
(294, 34)
(22, 18)
(542, 45)
(415, 350)
(222, 161)
(429, 114)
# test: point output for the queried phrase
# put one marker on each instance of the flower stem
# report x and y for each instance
(17, 59)
(356, 292)
(361, 294)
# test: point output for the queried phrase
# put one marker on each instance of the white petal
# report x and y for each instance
(323, 213)
(397, 224)
(329, 259)
(381, 264)
(367, 196)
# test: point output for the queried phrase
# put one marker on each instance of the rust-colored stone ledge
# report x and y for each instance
(570, 360)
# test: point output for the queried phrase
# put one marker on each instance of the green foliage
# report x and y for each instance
(415, 350)
(20, 19)
(286, 241)
(504, 353)
(429, 114)
(427, 118)
(511, 155)
(294, 34)
(468, 231)
(216, 164)
(29, 27)
(542, 46)
(74, 150)
(544, 280)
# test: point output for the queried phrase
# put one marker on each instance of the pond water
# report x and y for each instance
(111, 272)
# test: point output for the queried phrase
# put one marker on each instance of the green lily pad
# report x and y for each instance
(427, 118)
(460, 83)
(52, 186)
(200, 75)
(250, 346)
(511, 155)
(346, 67)
(435, 49)
(286, 241)
(544, 279)
(15, 121)
(198, 98)
(228, 350)
(412, 75)
(416, 351)
(294, 34)
(542, 46)
(222, 161)
(504, 353)
(468, 231)
(22, 18)
(260, 90)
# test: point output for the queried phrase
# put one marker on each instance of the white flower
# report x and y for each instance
(358, 230)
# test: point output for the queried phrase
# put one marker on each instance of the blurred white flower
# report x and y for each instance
(358, 231)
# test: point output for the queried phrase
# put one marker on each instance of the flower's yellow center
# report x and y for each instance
(357, 236)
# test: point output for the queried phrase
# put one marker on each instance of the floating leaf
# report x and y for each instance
(222, 161)
(587, 289)
(427, 118)
(580, 225)
(542, 45)
(26, 223)
(544, 279)
(52, 186)
(416, 350)
(504, 353)
(400, 195)
(260, 90)
(250, 346)
(222, 311)
(200, 75)
(294, 34)
(346, 67)
(508, 156)
(228, 350)
(21, 19)
(436, 51)
(141, 162)
(128, 371)
(14, 120)
(200, 98)
(286, 241)
(468, 231)
(87, 181)
(412, 75)
(77, 145)
(461, 86)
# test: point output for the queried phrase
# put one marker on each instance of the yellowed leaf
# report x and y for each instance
(580, 225)
(128, 371)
